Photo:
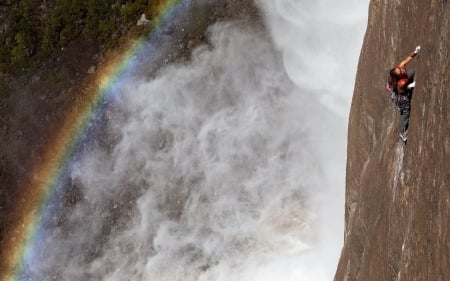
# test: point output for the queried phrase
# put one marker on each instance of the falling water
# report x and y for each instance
(230, 167)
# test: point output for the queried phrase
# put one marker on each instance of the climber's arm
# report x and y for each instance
(410, 57)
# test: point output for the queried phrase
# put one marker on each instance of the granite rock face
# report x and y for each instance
(398, 196)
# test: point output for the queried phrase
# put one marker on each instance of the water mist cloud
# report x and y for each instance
(320, 42)
(227, 168)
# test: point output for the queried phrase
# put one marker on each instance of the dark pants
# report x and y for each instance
(403, 104)
(403, 121)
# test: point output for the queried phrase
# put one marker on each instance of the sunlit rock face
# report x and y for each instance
(397, 196)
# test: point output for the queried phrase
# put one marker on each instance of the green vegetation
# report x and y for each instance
(31, 30)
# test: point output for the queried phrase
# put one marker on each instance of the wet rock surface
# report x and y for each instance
(398, 196)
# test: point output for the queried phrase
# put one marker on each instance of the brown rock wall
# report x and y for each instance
(397, 197)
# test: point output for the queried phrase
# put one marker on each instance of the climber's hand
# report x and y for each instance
(388, 87)
(417, 50)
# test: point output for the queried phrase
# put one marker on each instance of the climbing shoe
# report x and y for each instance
(403, 136)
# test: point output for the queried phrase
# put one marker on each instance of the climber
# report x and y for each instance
(400, 85)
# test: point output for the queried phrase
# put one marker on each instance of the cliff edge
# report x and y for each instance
(397, 196)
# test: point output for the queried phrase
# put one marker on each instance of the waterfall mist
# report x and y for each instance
(229, 167)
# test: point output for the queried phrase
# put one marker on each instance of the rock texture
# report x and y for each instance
(398, 196)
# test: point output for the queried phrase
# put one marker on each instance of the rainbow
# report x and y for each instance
(47, 177)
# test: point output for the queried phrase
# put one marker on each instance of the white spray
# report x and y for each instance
(229, 168)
